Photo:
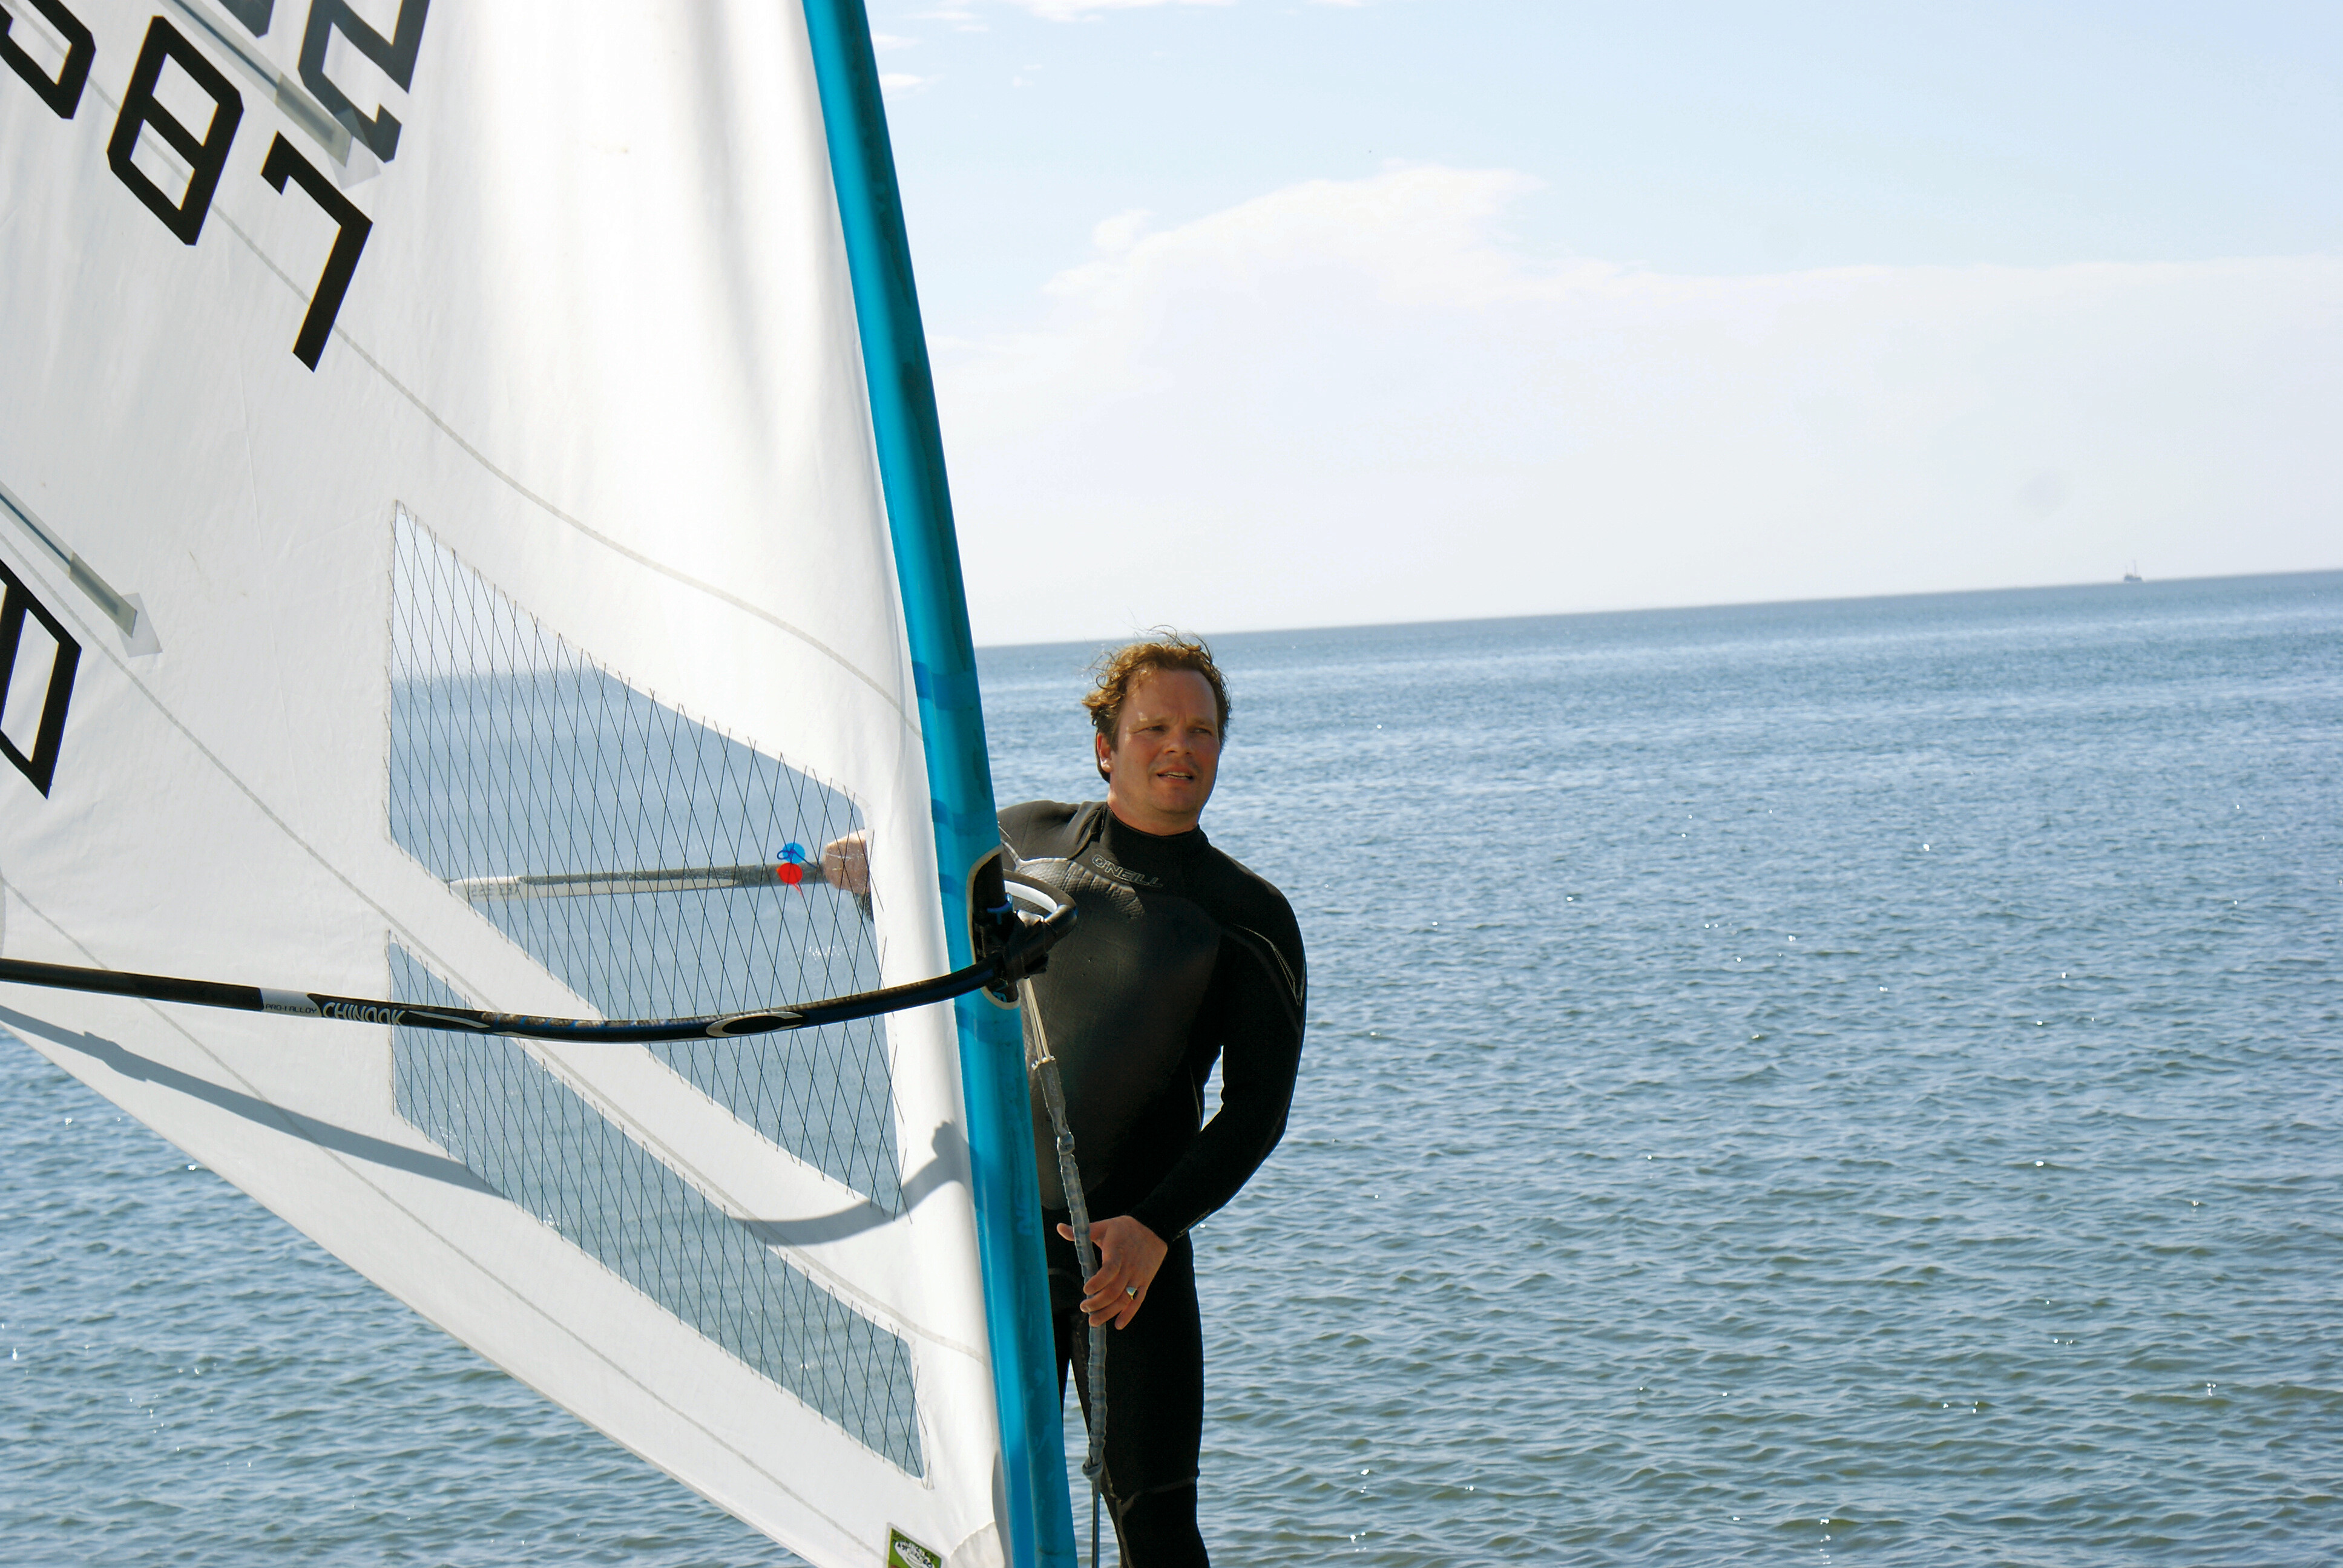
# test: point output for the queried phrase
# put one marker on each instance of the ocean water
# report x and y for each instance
(1849, 1081)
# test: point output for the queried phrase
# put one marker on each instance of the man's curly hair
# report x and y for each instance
(1120, 669)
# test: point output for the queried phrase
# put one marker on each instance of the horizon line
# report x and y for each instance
(1139, 633)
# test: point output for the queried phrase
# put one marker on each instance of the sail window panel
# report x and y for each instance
(513, 754)
(29, 678)
(542, 1146)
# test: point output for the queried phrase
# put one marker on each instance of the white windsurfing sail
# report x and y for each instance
(470, 505)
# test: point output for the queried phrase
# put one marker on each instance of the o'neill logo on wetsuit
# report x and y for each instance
(1106, 867)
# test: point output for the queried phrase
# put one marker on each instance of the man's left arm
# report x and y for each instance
(1259, 1027)
(1261, 994)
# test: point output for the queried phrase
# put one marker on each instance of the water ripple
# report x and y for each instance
(1784, 1084)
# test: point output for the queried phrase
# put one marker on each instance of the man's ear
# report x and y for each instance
(1105, 755)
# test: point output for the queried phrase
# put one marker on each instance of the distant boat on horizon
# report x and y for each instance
(2133, 576)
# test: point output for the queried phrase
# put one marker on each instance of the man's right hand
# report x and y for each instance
(1128, 1253)
(846, 863)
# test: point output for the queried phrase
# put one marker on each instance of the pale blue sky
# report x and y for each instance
(1974, 156)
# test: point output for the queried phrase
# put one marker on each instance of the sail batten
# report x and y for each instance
(508, 452)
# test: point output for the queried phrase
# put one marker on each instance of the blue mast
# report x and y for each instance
(1040, 1524)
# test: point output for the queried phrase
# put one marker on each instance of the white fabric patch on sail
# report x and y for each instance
(568, 555)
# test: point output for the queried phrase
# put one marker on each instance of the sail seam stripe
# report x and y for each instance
(253, 1091)
(891, 698)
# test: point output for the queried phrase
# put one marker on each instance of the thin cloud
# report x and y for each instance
(1118, 234)
(1357, 400)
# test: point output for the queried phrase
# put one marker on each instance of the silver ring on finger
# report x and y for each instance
(1131, 1290)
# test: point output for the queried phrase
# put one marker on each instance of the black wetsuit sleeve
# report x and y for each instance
(1038, 828)
(1256, 1014)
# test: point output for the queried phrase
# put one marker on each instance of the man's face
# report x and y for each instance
(1166, 752)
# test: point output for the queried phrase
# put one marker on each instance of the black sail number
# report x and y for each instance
(395, 55)
(63, 93)
(352, 227)
(206, 155)
(47, 729)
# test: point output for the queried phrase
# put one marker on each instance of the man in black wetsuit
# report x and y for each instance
(1181, 957)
